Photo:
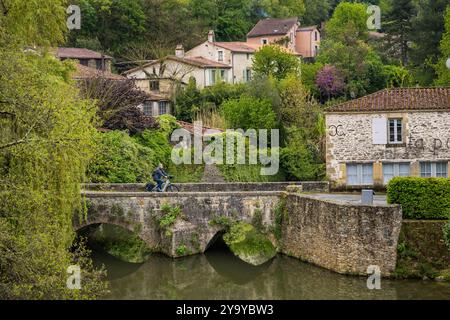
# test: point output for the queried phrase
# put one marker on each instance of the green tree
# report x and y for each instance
(249, 113)
(397, 23)
(274, 61)
(346, 48)
(45, 146)
(302, 120)
(317, 11)
(115, 24)
(441, 69)
(348, 23)
(33, 22)
(427, 32)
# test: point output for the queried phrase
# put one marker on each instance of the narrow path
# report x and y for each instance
(212, 174)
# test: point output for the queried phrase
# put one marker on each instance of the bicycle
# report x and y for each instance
(166, 187)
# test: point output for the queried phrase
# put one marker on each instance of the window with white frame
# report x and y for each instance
(359, 174)
(162, 107)
(247, 75)
(154, 85)
(264, 41)
(220, 56)
(395, 131)
(434, 169)
(148, 108)
(391, 170)
(217, 75)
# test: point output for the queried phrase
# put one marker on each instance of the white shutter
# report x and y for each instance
(379, 131)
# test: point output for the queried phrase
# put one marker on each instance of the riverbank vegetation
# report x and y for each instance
(45, 146)
(424, 246)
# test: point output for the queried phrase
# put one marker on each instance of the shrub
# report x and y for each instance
(300, 164)
(120, 159)
(421, 198)
(249, 113)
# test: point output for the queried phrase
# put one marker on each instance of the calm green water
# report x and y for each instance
(217, 274)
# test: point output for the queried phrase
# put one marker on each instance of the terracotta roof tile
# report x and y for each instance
(271, 26)
(398, 99)
(202, 62)
(84, 72)
(79, 53)
(195, 61)
(236, 46)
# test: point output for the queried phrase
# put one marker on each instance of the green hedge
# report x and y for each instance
(421, 198)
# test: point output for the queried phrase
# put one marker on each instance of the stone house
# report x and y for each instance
(303, 41)
(161, 76)
(393, 132)
(85, 57)
(237, 55)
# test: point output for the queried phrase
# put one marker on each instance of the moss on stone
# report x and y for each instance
(182, 250)
(421, 251)
(249, 244)
(221, 221)
(257, 220)
(170, 215)
(280, 214)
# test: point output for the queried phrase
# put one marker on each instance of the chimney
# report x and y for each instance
(211, 36)
(179, 51)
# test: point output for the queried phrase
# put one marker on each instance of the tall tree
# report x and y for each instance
(274, 61)
(397, 23)
(442, 70)
(45, 144)
(427, 32)
(316, 12)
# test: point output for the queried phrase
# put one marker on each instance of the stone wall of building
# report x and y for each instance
(349, 140)
(346, 238)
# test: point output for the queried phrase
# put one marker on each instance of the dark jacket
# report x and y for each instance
(158, 174)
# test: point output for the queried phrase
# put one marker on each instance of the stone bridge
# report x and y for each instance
(342, 237)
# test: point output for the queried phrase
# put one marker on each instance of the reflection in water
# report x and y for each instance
(217, 275)
(226, 264)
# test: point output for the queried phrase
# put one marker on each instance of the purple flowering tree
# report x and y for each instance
(330, 81)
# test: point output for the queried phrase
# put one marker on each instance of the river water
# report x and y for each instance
(218, 274)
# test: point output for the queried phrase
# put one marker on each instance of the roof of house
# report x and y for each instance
(398, 99)
(79, 53)
(84, 72)
(205, 130)
(242, 47)
(199, 62)
(272, 26)
(308, 28)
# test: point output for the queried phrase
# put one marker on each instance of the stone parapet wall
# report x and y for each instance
(346, 238)
(308, 186)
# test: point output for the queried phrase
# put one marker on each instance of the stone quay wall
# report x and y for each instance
(346, 238)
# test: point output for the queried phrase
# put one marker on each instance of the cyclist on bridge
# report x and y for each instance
(158, 174)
